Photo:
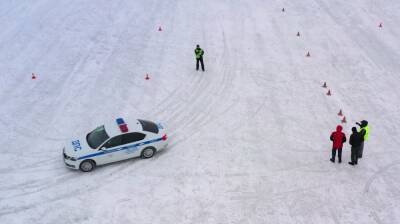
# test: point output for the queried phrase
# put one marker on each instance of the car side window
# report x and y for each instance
(132, 137)
(113, 142)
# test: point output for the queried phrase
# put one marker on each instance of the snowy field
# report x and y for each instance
(249, 138)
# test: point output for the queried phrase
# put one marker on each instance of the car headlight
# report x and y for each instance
(69, 157)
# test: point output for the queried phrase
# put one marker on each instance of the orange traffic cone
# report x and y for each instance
(159, 28)
(324, 85)
(340, 113)
(147, 77)
(308, 54)
(298, 34)
(344, 120)
(329, 93)
(33, 76)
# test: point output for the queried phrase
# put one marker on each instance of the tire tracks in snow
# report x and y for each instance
(107, 174)
(195, 111)
(37, 188)
(378, 174)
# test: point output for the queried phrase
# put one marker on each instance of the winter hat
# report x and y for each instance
(364, 123)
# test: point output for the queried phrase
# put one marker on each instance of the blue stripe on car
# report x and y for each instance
(119, 149)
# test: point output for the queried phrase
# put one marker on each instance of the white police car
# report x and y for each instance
(113, 142)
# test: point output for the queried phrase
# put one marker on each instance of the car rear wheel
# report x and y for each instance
(148, 152)
(87, 166)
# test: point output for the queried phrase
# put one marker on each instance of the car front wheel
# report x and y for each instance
(87, 166)
(148, 152)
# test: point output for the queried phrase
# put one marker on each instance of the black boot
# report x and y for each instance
(332, 160)
(351, 163)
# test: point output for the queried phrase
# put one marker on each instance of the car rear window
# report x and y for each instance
(149, 126)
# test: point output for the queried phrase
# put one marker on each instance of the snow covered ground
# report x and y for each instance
(249, 137)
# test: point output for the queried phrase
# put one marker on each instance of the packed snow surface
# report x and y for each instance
(249, 137)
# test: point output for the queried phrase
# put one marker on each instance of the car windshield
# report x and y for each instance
(96, 137)
(149, 126)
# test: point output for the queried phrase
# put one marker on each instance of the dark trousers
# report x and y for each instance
(361, 149)
(339, 155)
(201, 62)
(355, 152)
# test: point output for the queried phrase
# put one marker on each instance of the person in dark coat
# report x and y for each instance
(338, 138)
(355, 141)
(199, 57)
(364, 131)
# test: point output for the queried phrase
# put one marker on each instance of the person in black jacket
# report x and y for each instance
(356, 139)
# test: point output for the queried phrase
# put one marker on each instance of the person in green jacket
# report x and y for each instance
(364, 131)
(199, 57)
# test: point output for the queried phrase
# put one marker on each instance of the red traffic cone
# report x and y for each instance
(340, 113)
(308, 54)
(344, 120)
(380, 25)
(329, 93)
(298, 34)
(324, 85)
(147, 77)
(33, 76)
(159, 28)
(283, 9)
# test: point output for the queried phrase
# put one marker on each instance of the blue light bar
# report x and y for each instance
(120, 121)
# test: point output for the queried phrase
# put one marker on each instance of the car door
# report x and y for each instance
(111, 150)
(132, 146)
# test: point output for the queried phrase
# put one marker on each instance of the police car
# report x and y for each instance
(113, 142)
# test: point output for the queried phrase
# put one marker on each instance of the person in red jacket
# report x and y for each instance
(338, 138)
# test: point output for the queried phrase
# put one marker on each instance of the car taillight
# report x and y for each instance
(164, 138)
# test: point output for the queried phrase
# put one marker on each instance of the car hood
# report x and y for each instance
(77, 147)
